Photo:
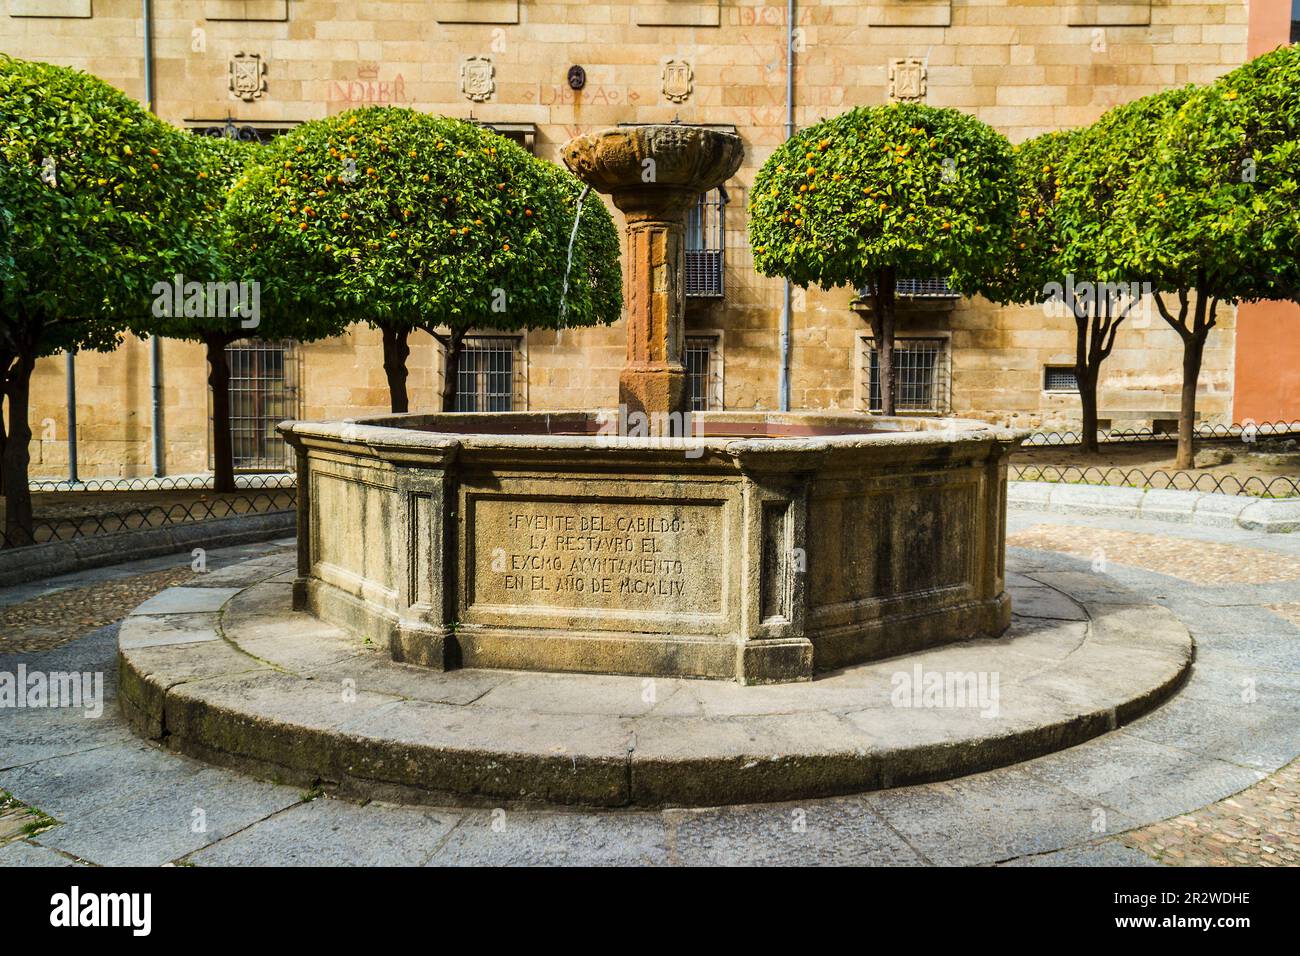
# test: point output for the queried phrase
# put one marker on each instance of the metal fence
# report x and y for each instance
(160, 515)
(1260, 487)
(266, 493)
(1247, 432)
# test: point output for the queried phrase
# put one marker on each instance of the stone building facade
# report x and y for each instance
(1024, 66)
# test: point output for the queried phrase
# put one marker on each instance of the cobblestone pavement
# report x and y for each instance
(45, 622)
(1211, 777)
(1208, 563)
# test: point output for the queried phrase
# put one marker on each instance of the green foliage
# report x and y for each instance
(98, 190)
(1098, 173)
(1216, 204)
(926, 191)
(1038, 243)
(404, 219)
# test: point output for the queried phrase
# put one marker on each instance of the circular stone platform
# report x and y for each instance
(231, 674)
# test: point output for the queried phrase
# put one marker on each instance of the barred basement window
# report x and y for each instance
(230, 128)
(916, 289)
(1060, 378)
(706, 245)
(485, 381)
(263, 393)
(920, 375)
(703, 372)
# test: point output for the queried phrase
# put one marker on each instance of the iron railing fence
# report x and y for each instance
(177, 483)
(163, 515)
(1260, 487)
(1248, 432)
(268, 493)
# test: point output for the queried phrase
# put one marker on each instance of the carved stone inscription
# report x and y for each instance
(599, 555)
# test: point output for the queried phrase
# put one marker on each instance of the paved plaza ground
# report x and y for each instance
(1208, 778)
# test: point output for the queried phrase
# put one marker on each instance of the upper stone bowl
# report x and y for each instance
(629, 160)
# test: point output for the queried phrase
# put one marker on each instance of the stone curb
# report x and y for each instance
(18, 565)
(257, 689)
(1268, 515)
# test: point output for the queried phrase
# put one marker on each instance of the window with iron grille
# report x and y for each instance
(1060, 378)
(703, 372)
(485, 381)
(231, 128)
(920, 375)
(916, 289)
(706, 245)
(263, 393)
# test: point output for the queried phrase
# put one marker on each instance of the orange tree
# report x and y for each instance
(880, 193)
(226, 287)
(1212, 215)
(409, 222)
(95, 194)
(1069, 185)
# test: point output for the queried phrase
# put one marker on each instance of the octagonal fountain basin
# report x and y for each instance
(763, 547)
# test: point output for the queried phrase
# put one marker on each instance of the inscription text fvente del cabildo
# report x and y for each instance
(593, 552)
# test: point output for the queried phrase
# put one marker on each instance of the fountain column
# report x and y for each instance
(654, 174)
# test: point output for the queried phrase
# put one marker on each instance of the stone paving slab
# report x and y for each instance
(759, 834)
(169, 819)
(990, 817)
(503, 838)
(22, 853)
(333, 833)
(187, 600)
(316, 703)
(837, 832)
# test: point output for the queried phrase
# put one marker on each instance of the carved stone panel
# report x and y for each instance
(907, 80)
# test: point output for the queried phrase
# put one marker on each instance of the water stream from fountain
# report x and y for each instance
(573, 236)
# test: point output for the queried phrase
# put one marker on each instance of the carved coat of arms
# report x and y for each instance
(679, 80)
(478, 78)
(247, 76)
(907, 80)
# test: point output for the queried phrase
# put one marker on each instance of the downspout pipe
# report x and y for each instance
(155, 343)
(71, 378)
(783, 385)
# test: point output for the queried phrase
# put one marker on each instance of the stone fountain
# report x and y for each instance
(762, 547)
(654, 174)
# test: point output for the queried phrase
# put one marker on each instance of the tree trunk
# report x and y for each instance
(882, 330)
(451, 369)
(1193, 350)
(2, 439)
(223, 449)
(1087, 379)
(17, 455)
(396, 351)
